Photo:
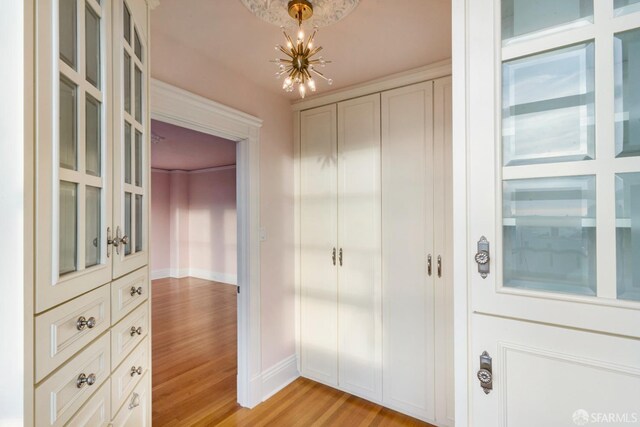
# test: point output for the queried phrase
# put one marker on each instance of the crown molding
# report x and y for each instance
(405, 78)
(170, 104)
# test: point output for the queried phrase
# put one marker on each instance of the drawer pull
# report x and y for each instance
(135, 330)
(135, 401)
(135, 290)
(82, 323)
(135, 370)
(85, 379)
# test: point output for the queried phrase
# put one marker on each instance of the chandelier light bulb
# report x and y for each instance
(300, 34)
(302, 90)
(312, 85)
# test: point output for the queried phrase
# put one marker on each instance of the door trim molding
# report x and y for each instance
(178, 107)
(461, 319)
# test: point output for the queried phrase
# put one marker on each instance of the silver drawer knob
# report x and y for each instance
(135, 370)
(135, 330)
(124, 240)
(82, 323)
(135, 290)
(85, 379)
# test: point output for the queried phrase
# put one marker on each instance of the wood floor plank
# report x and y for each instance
(194, 370)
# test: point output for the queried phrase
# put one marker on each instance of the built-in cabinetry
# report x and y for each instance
(375, 248)
(92, 351)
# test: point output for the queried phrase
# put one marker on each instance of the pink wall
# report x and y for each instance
(194, 225)
(160, 217)
(212, 222)
(192, 70)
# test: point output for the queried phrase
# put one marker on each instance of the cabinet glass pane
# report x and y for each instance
(138, 159)
(548, 107)
(92, 243)
(627, 93)
(127, 222)
(127, 153)
(92, 43)
(93, 130)
(138, 46)
(126, 24)
(127, 82)
(138, 95)
(67, 21)
(549, 234)
(628, 235)
(68, 120)
(68, 227)
(138, 223)
(626, 6)
(521, 17)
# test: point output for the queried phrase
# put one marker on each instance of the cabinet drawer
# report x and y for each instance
(128, 374)
(97, 411)
(129, 292)
(59, 397)
(136, 411)
(63, 331)
(128, 333)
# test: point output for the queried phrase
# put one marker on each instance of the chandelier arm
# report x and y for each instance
(319, 73)
(314, 51)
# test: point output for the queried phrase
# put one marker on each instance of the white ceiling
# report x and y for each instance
(380, 37)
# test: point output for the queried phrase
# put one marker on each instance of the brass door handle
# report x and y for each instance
(439, 266)
(429, 265)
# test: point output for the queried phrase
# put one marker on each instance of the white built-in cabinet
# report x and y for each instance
(92, 153)
(375, 248)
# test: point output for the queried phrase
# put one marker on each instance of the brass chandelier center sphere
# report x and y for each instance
(300, 10)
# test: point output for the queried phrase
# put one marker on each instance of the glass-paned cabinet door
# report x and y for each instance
(74, 180)
(131, 131)
(570, 145)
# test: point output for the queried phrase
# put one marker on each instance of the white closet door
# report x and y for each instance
(407, 246)
(359, 275)
(443, 247)
(318, 228)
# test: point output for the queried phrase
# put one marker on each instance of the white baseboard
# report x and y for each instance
(229, 279)
(160, 274)
(279, 376)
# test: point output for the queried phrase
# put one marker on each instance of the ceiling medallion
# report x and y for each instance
(300, 61)
(325, 12)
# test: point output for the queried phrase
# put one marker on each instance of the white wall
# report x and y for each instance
(16, 183)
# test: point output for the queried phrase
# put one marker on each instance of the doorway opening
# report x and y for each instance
(194, 273)
(179, 107)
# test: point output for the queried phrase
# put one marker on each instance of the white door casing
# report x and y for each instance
(181, 108)
(568, 352)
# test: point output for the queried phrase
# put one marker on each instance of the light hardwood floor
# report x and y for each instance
(194, 370)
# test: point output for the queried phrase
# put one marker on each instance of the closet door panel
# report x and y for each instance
(407, 244)
(359, 275)
(318, 235)
(443, 242)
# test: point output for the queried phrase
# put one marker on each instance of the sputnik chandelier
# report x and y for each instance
(300, 64)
